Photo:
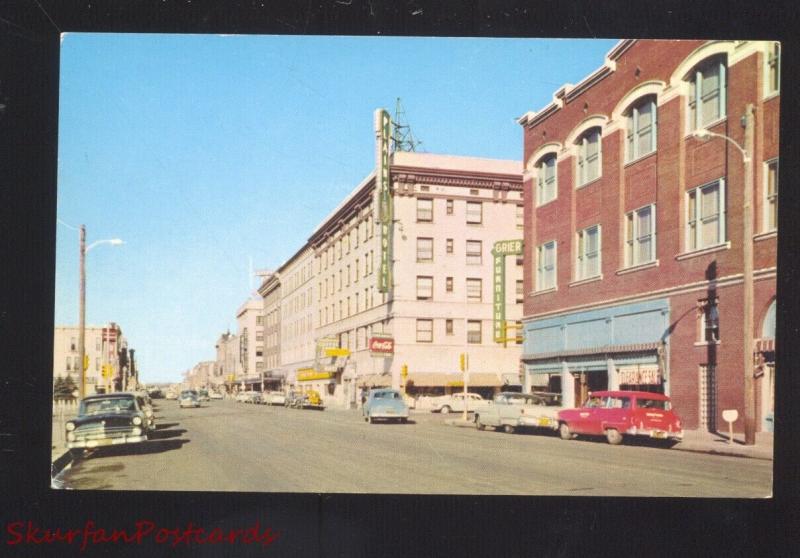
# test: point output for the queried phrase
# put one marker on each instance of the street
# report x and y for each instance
(227, 446)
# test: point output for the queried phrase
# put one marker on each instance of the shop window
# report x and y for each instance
(589, 157)
(705, 216)
(641, 133)
(707, 94)
(546, 183)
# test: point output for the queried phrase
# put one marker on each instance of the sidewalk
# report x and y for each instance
(699, 441)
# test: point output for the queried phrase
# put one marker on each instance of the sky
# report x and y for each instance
(204, 153)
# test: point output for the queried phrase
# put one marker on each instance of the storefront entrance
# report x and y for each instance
(596, 380)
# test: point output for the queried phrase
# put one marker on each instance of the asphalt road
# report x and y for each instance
(227, 446)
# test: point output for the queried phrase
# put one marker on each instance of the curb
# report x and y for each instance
(718, 452)
(60, 463)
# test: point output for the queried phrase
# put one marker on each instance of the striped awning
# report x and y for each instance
(765, 345)
(604, 350)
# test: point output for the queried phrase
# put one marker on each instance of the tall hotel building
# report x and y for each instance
(634, 267)
(401, 276)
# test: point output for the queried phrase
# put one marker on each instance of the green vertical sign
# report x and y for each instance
(502, 248)
(385, 210)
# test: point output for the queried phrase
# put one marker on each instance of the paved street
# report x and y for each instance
(227, 446)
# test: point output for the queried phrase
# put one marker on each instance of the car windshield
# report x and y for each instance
(659, 404)
(110, 405)
(386, 395)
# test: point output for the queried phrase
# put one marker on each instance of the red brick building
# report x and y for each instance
(633, 227)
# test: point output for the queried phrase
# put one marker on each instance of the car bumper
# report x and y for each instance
(539, 422)
(106, 441)
(388, 415)
(676, 435)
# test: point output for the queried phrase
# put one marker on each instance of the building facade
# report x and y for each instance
(270, 291)
(250, 335)
(105, 347)
(227, 365)
(634, 270)
(297, 320)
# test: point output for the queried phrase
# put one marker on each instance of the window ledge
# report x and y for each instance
(548, 202)
(704, 251)
(772, 95)
(637, 267)
(708, 127)
(592, 181)
(544, 291)
(766, 235)
(585, 281)
(639, 158)
(706, 343)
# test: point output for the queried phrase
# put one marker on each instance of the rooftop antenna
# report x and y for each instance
(402, 137)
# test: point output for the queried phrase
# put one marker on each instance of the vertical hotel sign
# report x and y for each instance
(501, 249)
(385, 211)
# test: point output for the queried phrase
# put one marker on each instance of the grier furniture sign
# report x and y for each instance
(381, 346)
(385, 211)
(502, 248)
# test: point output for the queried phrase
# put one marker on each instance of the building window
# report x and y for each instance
(474, 249)
(425, 210)
(340, 280)
(69, 364)
(424, 288)
(640, 246)
(355, 274)
(708, 317)
(773, 81)
(474, 288)
(771, 196)
(449, 245)
(474, 213)
(358, 304)
(448, 284)
(347, 277)
(546, 266)
(546, 184)
(641, 135)
(449, 207)
(424, 331)
(520, 291)
(587, 263)
(705, 216)
(354, 233)
(73, 346)
(97, 344)
(424, 249)
(589, 160)
(448, 327)
(473, 332)
(707, 86)
(339, 249)
(520, 216)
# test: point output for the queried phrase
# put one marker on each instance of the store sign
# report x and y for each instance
(308, 375)
(381, 346)
(502, 248)
(385, 211)
(639, 375)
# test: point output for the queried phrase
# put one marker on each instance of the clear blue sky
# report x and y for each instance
(202, 152)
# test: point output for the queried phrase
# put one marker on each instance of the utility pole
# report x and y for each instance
(82, 312)
(747, 282)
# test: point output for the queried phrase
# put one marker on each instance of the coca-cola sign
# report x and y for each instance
(381, 345)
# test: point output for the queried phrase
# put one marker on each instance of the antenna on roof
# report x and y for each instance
(402, 138)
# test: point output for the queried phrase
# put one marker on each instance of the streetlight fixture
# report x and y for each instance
(82, 302)
(747, 264)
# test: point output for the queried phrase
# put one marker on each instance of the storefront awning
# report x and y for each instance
(441, 379)
(604, 350)
(374, 380)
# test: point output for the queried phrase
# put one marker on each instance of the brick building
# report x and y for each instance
(633, 227)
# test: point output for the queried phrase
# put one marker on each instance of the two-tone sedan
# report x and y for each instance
(385, 404)
(189, 398)
(107, 419)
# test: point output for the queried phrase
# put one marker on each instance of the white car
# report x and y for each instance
(215, 395)
(514, 411)
(455, 403)
(275, 398)
(246, 396)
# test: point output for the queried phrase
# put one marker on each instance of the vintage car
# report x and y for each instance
(188, 399)
(146, 406)
(618, 414)
(247, 396)
(202, 395)
(307, 400)
(215, 395)
(385, 404)
(171, 395)
(275, 398)
(107, 419)
(513, 411)
(455, 402)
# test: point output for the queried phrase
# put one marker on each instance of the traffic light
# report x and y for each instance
(404, 370)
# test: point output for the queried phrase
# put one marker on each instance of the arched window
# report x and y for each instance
(707, 93)
(641, 129)
(546, 179)
(768, 327)
(589, 156)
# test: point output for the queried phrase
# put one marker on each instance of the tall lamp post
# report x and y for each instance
(747, 265)
(82, 302)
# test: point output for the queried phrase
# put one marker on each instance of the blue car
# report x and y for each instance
(386, 404)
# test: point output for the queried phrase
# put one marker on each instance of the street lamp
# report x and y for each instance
(82, 302)
(747, 264)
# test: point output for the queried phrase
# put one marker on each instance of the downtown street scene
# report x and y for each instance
(285, 297)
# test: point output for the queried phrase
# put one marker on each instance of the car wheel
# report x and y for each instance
(566, 433)
(445, 410)
(613, 436)
(404, 420)
(369, 419)
(508, 429)
(76, 453)
(478, 424)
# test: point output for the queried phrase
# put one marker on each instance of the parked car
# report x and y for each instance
(107, 419)
(618, 414)
(307, 400)
(245, 396)
(275, 398)
(202, 395)
(171, 395)
(291, 398)
(147, 407)
(385, 404)
(455, 402)
(215, 395)
(512, 411)
(189, 399)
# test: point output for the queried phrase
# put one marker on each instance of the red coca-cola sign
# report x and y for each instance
(383, 345)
